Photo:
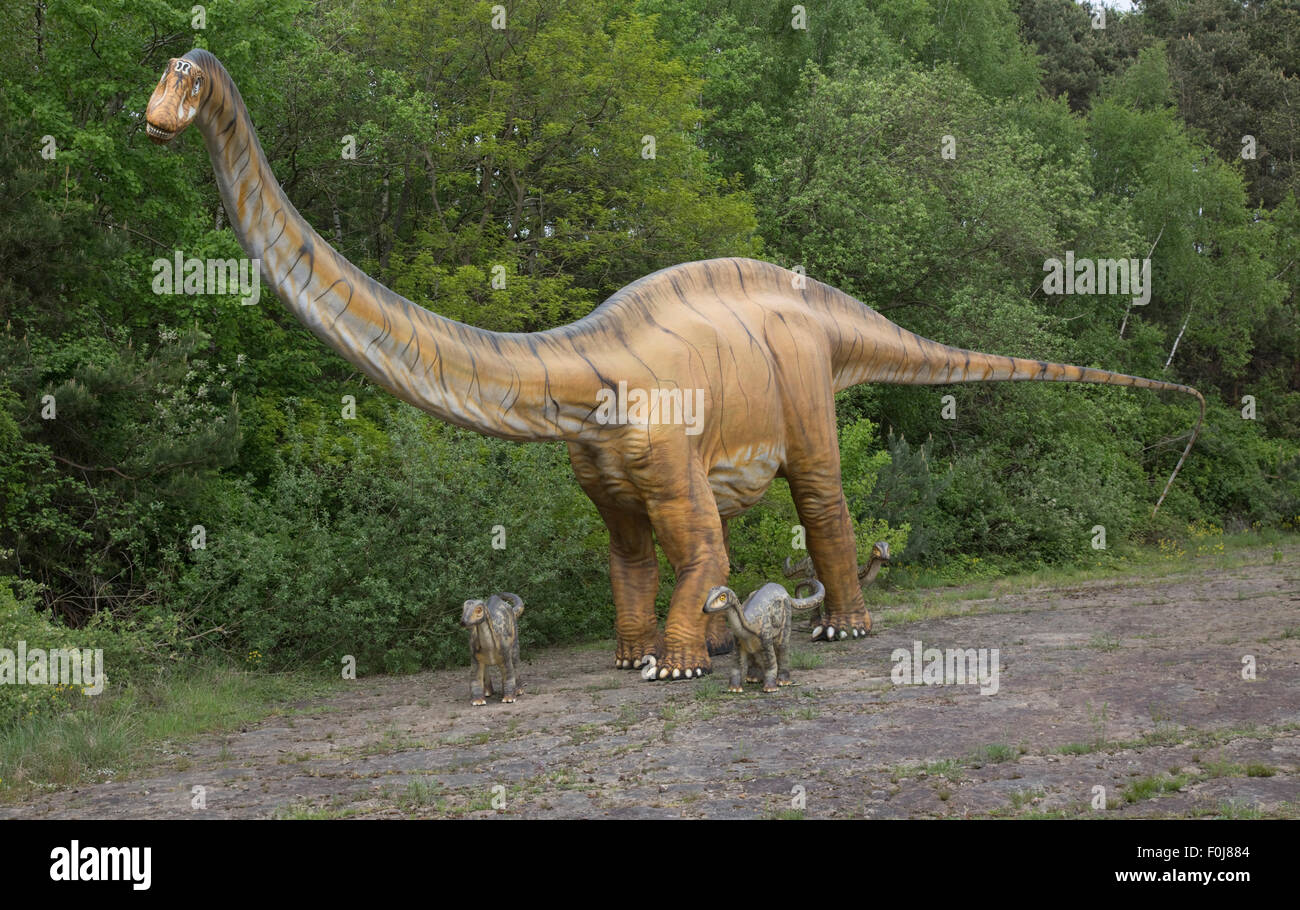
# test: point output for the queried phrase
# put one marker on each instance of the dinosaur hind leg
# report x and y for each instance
(825, 517)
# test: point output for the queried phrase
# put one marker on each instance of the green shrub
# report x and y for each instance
(373, 555)
(127, 651)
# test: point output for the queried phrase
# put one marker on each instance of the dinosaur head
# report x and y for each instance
(879, 557)
(473, 613)
(719, 599)
(175, 101)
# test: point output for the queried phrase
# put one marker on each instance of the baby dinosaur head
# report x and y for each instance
(879, 557)
(175, 101)
(473, 613)
(719, 599)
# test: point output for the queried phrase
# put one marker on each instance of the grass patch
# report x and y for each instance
(116, 732)
(1232, 808)
(1021, 798)
(914, 586)
(308, 812)
(421, 792)
(1156, 785)
(708, 688)
(995, 753)
(807, 660)
(1082, 748)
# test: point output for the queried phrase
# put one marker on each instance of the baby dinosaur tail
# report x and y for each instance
(813, 600)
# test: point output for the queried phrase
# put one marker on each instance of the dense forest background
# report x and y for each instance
(185, 420)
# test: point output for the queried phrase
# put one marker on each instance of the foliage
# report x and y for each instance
(521, 153)
(355, 550)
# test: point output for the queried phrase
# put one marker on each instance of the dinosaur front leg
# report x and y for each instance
(783, 657)
(477, 689)
(825, 517)
(769, 666)
(686, 523)
(739, 672)
(633, 563)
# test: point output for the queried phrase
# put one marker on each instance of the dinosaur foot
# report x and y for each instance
(769, 688)
(478, 702)
(838, 628)
(632, 655)
(676, 665)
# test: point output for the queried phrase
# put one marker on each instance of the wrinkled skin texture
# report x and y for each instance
(753, 354)
(761, 627)
(493, 642)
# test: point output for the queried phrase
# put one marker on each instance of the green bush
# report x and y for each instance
(128, 651)
(373, 555)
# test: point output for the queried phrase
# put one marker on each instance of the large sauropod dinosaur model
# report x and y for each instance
(680, 397)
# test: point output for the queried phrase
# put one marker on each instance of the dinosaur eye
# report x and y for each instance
(198, 84)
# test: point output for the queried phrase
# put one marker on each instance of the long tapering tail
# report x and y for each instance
(812, 600)
(867, 347)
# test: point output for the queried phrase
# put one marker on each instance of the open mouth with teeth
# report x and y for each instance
(158, 135)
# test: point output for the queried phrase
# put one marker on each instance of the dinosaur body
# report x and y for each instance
(493, 642)
(761, 626)
(755, 351)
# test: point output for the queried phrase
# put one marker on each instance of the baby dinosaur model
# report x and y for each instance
(493, 642)
(866, 575)
(680, 397)
(761, 627)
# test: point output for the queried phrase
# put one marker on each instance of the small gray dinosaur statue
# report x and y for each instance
(761, 627)
(866, 575)
(493, 641)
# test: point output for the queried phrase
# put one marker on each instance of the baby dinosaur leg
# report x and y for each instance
(519, 685)
(740, 671)
(769, 666)
(509, 685)
(783, 657)
(477, 688)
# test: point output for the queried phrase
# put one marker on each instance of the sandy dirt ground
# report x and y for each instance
(1133, 685)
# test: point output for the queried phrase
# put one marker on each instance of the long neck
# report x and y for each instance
(873, 569)
(516, 386)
